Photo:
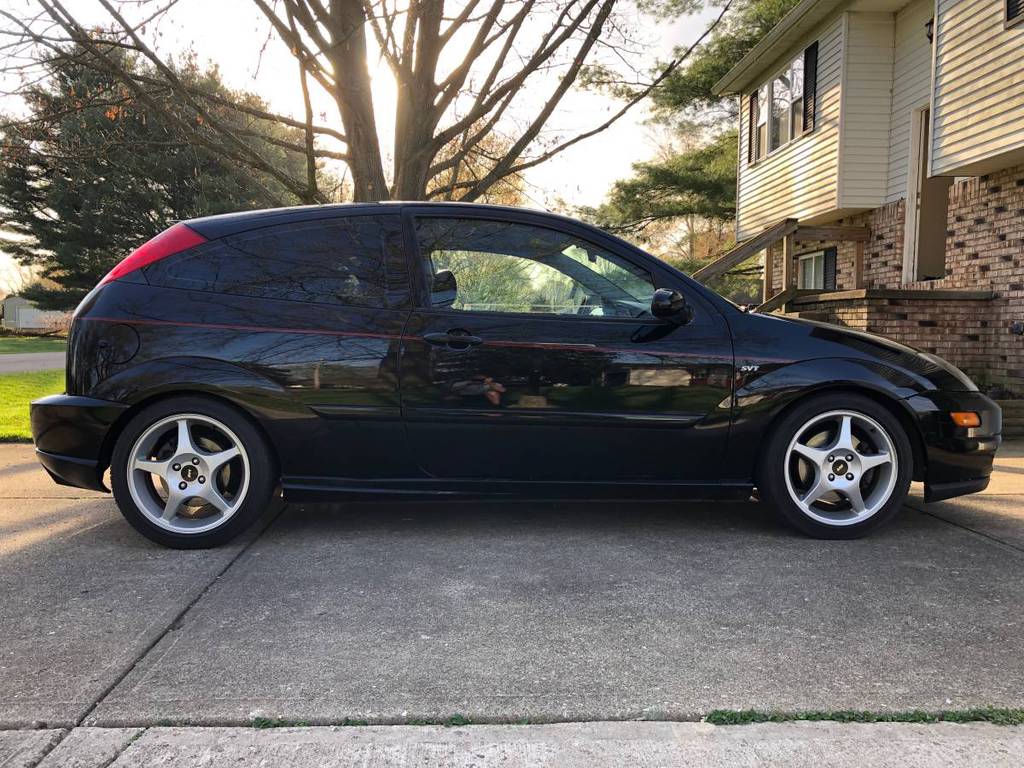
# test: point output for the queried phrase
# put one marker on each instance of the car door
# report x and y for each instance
(531, 354)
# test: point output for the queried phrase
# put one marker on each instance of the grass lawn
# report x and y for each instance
(12, 345)
(16, 391)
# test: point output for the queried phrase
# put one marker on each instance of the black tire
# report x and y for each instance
(775, 463)
(262, 475)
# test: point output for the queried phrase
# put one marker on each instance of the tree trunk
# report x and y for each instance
(411, 168)
(355, 100)
(414, 133)
(691, 238)
(416, 114)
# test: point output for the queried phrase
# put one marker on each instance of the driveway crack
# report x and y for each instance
(179, 617)
(1018, 549)
(54, 742)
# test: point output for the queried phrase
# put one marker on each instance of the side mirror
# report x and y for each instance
(443, 289)
(669, 304)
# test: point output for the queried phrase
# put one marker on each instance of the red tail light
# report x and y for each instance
(174, 240)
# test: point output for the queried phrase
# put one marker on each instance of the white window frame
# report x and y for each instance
(816, 260)
(796, 116)
(794, 122)
(786, 120)
(764, 96)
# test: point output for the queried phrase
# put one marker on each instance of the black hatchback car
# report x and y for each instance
(439, 350)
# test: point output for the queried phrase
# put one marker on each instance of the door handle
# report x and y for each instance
(455, 338)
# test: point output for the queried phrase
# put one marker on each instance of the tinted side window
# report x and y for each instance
(334, 261)
(477, 265)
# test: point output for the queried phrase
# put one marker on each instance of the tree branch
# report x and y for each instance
(60, 15)
(474, 191)
(549, 44)
(310, 149)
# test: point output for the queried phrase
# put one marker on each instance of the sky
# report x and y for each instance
(233, 35)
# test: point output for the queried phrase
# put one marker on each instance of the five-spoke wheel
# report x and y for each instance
(191, 472)
(188, 473)
(842, 467)
(837, 466)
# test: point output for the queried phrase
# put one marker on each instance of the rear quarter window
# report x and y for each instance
(332, 261)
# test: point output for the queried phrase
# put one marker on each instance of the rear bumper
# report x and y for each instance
(70, 434)
(958, 460)
(67, 470)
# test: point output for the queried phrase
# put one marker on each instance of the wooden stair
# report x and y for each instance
(746, 250)
(788, 232)
(778, 301)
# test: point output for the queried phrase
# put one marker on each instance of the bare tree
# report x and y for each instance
(471, 75)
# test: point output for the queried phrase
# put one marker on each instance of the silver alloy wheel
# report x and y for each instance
(841, 467)
(188, 473)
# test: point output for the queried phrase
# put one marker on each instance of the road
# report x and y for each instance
(31, 361)
(499, 612)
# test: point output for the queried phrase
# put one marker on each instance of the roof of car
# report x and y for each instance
(225, 224)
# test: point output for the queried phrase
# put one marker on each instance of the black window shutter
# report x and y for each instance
(830, 269)
(811, 84)
(752, 129)
(1014, 9)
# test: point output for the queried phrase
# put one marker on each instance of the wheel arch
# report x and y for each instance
(117, 428)
(900, 411)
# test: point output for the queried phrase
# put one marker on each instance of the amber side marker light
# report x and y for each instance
(965, 418)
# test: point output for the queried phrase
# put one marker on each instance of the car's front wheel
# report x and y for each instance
(837, 466)
(191, 472)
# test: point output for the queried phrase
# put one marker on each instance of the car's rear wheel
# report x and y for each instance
(191, 472)
(837, 466)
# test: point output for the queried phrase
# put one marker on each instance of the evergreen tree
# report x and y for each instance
(90, 173)
(687, 91)
(681, 205)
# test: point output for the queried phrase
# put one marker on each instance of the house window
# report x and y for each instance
(811, 271)
(783, 108)
(796, 89)
(816, 271)
(759, 110)
(1014, 12)
(782, 102)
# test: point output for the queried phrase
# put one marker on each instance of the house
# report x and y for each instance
(20, 314)
(881, 172)
(12, 308)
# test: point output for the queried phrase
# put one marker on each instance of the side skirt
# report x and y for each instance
(314, 489)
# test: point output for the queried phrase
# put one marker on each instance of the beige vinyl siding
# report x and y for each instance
(978, 113)
(866, 104)
(799, 179)
(911, 89)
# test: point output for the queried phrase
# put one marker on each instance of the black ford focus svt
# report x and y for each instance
(438, 350)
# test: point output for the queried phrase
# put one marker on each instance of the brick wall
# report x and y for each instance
(984, 251)
(883, 254)
(959, 330)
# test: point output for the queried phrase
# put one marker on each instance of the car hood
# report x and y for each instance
(827, 340)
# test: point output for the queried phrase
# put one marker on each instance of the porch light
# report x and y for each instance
(929, 30)
(965, 418)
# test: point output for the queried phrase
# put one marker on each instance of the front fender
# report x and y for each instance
(762, 395)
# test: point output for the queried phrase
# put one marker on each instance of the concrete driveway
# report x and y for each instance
(502, 612)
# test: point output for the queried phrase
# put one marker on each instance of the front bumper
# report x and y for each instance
(958, 460)
(70, 434)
